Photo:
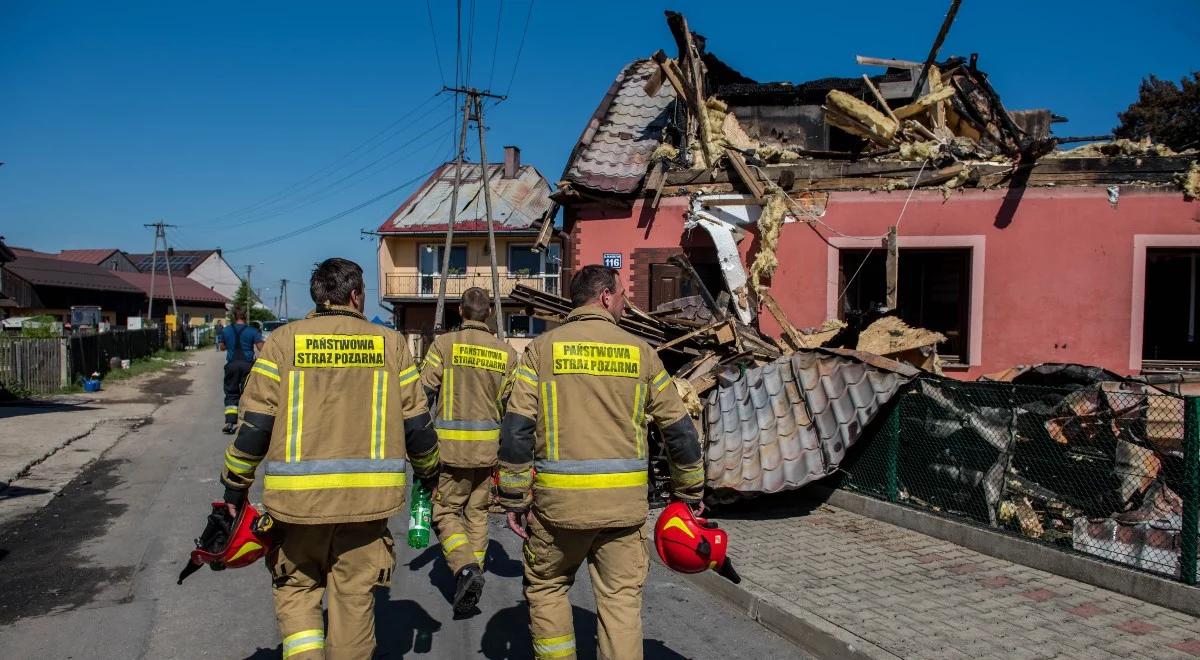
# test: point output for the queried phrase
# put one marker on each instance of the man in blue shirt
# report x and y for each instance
(238, 340)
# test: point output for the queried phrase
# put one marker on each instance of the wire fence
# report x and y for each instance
(1109, 470)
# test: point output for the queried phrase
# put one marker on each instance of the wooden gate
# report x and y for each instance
(34, 365)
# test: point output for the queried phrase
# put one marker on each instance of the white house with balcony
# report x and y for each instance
(412, 246)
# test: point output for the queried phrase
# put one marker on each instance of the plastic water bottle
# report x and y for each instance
(420, 514)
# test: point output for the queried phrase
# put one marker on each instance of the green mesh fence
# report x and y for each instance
(1110, 470)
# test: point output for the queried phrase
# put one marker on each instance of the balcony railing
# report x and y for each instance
(426, 286)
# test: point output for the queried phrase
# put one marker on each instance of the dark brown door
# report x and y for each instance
(665, 282)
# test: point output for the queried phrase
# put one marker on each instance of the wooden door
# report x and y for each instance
(665, 284)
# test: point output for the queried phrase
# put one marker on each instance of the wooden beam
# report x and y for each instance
(694, 333)
(879, 99)
(924, 103)
(882, 61)
(747, 176)
(789, 331)
(893, 267)
(937, 45)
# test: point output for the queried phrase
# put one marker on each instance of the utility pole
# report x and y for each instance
(473, 102)
(249, 293)
(160, 234)
(282, 312)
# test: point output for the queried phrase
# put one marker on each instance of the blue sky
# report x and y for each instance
(118, 114)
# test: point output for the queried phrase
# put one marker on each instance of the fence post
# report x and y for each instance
(1191, 498)
(893, 452)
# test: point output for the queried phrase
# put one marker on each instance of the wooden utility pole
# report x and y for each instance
(473, 103)
(439, 313)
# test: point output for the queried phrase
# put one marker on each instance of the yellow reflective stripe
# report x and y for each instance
(447, 394)
(529, 374)
(295, 420)
(480, 554)
(379, 413)
(453, 542)
(432, 358)
(230, 410)
(554, 647)
(409, 375)
(638, 418)
(336, 480)
(305, 640)
(239, 465)
(516, 479)
(267, 363)
(688, 478)
(273, 375)
(311, 646)
(552, 418)
(522, 377)
(661, 380)
(426, 461)
(468, 436)
(583, 481)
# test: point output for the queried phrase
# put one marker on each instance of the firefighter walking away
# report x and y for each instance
(333, 410)
(581, 399)
(466, 370)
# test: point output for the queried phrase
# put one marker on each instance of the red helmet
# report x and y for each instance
(688, 544)
(231, 543)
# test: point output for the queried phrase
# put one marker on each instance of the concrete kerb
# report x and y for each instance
(806, 630)
(1143, 586)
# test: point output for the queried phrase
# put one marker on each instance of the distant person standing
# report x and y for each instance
(217, 333)
(238, 341)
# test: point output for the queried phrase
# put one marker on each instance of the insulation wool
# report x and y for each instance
(876, 124)
(1122, 147)
(691, 400)
(919, 150)
(1190, 181)
(890, 335)
(772, 154)
(664, 151)
(770, 222)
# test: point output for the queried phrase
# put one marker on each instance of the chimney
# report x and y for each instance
(512, 161)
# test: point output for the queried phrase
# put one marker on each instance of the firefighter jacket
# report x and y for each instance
(334, 407)
(469, 370)
(573, 439)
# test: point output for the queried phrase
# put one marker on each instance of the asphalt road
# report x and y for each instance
(92, 573)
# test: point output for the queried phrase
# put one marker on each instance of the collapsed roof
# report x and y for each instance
(518, 202)
(670, 125)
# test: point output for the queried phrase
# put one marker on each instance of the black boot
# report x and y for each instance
(227, 429)
(470, 586)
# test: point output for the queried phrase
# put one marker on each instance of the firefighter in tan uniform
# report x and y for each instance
(581, 399)
(467, 371)
(334, 407)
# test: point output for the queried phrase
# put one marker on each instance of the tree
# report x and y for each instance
(256, 313)
(1165, 112)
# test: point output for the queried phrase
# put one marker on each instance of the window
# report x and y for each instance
(523, 262)
(935, 290)
(525, 326)
(431, 265)
(1170, 314)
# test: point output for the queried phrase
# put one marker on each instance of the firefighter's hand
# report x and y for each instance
(517, 522)
(232, 509)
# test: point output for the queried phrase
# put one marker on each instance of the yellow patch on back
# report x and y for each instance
(479, 357)
(339, 351)
(597, 359)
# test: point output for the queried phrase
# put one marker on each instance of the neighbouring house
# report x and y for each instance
(106, 258)
(1017, 253)
(412, 245)
(208, 267)
(197, 304)
(40, 283)
(6, 255)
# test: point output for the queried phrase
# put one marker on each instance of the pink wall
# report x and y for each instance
(1058, 266)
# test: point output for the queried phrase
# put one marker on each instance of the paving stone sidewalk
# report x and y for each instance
(915, 596)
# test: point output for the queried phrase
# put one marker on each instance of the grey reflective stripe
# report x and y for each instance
(465, 425)
(335, 466)
(594, 466)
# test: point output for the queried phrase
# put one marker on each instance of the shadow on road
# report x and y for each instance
(13, 492)
(23, 408)
(402, 626)
(506, 637)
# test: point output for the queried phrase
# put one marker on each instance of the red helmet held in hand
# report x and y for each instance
(229, 542)
(687, 544)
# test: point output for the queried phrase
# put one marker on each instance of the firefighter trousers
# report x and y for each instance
(235, 381)
(460, 514)
(618, 562)
(346, 560)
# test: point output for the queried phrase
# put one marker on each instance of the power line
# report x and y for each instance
(496, 43)
(333, 188)
(520, 48)
(433, 35)
(336, 216)
(330, 167)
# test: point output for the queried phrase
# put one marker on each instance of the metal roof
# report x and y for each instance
(518, 204)
(186, 290)
(790, 422)
(90, 256)
(614, 151)
(50, 271)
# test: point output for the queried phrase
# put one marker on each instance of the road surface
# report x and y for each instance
(91, 574)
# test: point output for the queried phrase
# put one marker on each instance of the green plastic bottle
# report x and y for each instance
(420, 514)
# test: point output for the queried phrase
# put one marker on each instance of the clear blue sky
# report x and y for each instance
(120, 113)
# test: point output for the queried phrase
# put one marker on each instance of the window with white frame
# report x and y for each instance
(431, 265)
(543, 265)
(1172, 305)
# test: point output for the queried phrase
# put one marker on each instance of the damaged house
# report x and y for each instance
(1014, 250)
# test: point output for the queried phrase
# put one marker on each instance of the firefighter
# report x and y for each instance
(238, 340)
(580, 401)
(334, 407)
(467, 371)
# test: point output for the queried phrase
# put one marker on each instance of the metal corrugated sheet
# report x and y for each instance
(790, 422)
(517, 203)
(43, 271)
(616, 155)
(186, 290)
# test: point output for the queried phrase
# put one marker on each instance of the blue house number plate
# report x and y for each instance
(612, 259)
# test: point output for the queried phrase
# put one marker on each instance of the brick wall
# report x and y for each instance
(639, 267)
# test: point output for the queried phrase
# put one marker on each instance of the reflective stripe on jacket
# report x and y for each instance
(469, 370)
